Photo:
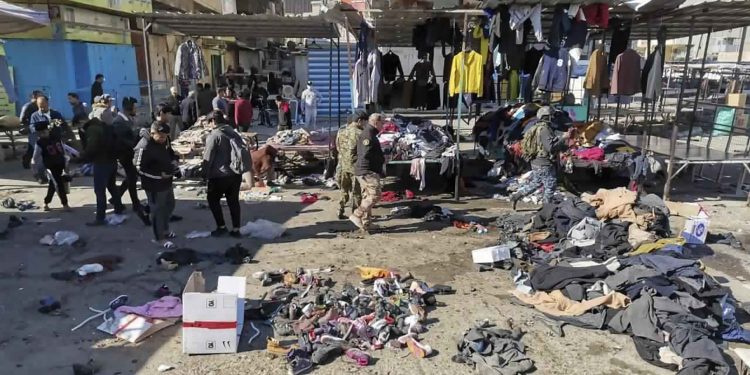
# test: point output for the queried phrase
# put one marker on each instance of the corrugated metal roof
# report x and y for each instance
(240, 25)
(719, 15)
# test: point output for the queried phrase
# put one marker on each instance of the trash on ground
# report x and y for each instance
(263, 229)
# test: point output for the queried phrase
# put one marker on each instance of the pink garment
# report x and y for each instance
(592, 153)
(164, 307)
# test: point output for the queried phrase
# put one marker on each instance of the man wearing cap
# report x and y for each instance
(346, 146)
(544, 148)
(369, 167)
(58, 128)
(157, 167)
(310, 100)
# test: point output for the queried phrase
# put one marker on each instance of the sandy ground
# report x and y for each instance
(32, 343)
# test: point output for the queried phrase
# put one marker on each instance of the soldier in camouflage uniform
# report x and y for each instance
(346, 144)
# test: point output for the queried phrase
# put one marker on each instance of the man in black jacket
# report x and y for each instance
(223, 181)
(100, 150)
(126, 139)
(96, 88)
(157, 166)
(369, 167)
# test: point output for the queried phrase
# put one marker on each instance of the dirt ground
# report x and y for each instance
(33, 343)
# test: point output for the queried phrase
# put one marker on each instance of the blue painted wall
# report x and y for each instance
(59, 67)
(318, 64)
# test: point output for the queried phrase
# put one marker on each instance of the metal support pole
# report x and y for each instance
(599, 94)
(617, 110)
(702, 73)
(147, 55)
(740, 52)
(673, 141)
(338, 80)
(461, 82)
(330, 92)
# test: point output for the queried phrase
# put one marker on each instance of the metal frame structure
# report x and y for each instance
(238, 26)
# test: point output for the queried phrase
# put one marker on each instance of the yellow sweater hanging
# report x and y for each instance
(472, 79)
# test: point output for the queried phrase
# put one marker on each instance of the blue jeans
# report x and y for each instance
(104, 179)
(544, 177)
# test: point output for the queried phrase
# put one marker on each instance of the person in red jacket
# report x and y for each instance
(243, 111)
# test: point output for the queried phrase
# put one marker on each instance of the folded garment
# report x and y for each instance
(649, 247)
(592, 153)
(555, 303)
(165, 307)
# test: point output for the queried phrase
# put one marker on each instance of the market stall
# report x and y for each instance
(235, 25)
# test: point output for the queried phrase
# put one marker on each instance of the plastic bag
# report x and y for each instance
(65, 237)
(115, 219)
(198, 234)
(263, 229)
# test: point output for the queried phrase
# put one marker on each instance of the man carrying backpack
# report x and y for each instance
(225, 159)
(542, 147)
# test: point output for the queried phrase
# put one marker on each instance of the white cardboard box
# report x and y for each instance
(696, 230)
(212, 321)
(490, 254)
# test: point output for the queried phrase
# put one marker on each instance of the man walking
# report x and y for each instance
(346, 145)
(369, 167)
(126, 138)
(100, 150)
(58, 128)
(96, 88)
(188, 111)
(204, 97)
(26, 111)
(225, 159)
(156, 163)
(542, 147)
(219, 102)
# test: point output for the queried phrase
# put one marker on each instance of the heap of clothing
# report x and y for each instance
(192, 141)
(609, 261)
(405, 139)
(298, 137)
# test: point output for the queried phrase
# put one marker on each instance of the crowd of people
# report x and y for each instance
(109, 136)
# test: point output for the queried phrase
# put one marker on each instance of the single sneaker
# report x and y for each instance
(359, 357)
(325, 354)
(46, 207)
(274, 347)
(357, 221)
(416, 348)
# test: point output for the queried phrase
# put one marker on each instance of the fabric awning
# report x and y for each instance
(16, 19)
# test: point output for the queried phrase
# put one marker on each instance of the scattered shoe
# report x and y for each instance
(46, 207)
(274, 347)
(359, 357)
(219, 232)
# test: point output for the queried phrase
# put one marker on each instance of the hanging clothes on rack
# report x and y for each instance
(597, 74)
(472, 73)
(651, 75)
(620, 38)
(361, 82)
(626, 74)
(373, 69)
(423, 73)
(597, 14)
(390, 65)
(560, 26)
(519, 14)
(189, 63)
(553, 71)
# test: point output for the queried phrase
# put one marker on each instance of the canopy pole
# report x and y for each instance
(461, 81)
(599, 94)
(697, 93)
(740, 52)
(147, 55)
(330, 92)
(673, 141)
(338, 80)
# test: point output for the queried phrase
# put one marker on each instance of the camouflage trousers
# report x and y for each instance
(371, 186)
(350, 191)
(541, 177)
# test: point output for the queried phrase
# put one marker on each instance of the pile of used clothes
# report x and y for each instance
(492, 350)
(298, 137)
(609, 261)
(407, 139)
(389, 310)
